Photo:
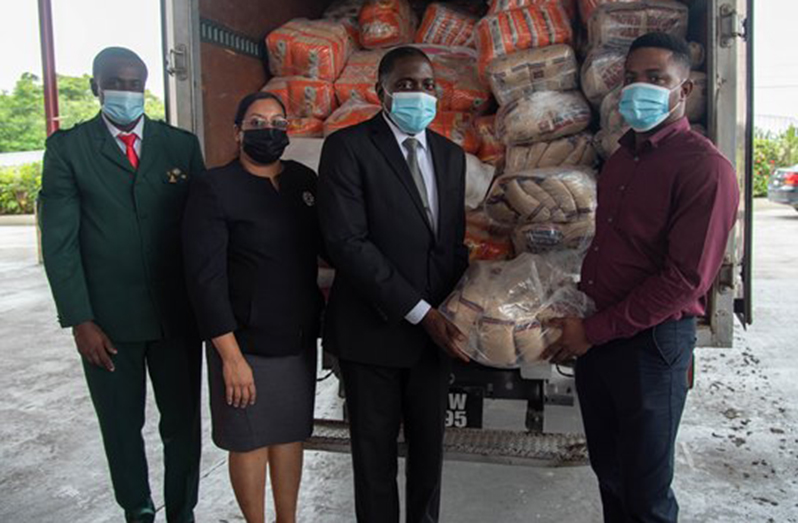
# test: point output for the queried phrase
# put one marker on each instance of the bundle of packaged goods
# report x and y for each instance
(445, 25)
(506, 5)
(304, 97)
(458, 84)
(386, 23)
(505, 308)
(315, 49)
(351, 112)
(574, 150)
(491, 149)
(551, 68)
(359, 77)
(346, 12)
(486, 239)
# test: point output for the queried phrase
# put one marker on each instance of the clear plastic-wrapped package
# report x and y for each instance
(586, 7)
(457, 79)
(312, 48)
(554, 195)
(485, 239)
(505, 308)
(543, 116)
(304, 97)
(611, 118)
(572, 150)
(359, 77)
(346, 12)
(619, 24)
(507, 32)
(606, 141)
(386, 23)
(540, 238)
(445, 25)
(491, 149)
(552, 68)
(696, 105)
(496, 6)
(459, 128)
(479, 175)
(602, 71)
(351, 113)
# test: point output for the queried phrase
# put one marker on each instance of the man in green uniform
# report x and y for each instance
(112, 198)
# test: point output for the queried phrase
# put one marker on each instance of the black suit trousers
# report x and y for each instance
(632, 393)
(380, 400)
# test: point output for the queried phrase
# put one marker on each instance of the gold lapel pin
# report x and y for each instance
(175, 175)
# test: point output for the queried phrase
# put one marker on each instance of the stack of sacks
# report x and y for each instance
(457, 79)
(504, 308)
(612, 28)
(444, 25)
(346, 12)
(542, 116)
(507, 32)
(306, 57)
(552, 68)
(550, 209)
(586, 7)
(386, 23)
(572, 150)
(497, 6)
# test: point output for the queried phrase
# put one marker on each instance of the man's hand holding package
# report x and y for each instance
(572, 343)
(445, 334)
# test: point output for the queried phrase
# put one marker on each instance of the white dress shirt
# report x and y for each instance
(418, 312)
(138, 131)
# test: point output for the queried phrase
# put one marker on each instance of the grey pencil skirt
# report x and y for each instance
(283, 411)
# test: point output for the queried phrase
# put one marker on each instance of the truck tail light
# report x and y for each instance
(791, 179)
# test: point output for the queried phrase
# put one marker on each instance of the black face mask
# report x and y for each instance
(265, 146)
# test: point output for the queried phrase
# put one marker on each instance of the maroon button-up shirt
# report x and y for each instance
(664, 216)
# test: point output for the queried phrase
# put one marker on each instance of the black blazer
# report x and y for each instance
(385, 253)
(251, 258)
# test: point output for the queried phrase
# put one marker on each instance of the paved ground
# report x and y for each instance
(736, 460)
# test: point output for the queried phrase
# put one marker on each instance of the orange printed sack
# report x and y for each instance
(459, 86)
(491, 149)
(312, 48)
(509, 31)
(304, 97)
(359, 77)
(444, 25)
(386, 23)
(351, 113)
(497, 6)
(305, 127)
(459, 128)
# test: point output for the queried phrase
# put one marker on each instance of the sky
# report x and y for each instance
(83, 27)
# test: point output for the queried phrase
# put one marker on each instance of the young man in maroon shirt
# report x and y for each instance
(667, 201)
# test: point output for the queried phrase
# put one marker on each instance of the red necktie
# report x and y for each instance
(130, 140)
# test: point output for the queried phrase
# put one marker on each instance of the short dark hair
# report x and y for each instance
(388, 61)
(113, 54)
(677, 46)
(248, 100)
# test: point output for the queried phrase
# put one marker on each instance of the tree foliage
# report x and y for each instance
(22, 121)
(771, 152)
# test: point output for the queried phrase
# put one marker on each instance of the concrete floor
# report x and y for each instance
(736, 458)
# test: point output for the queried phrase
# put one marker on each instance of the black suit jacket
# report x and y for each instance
(385, 253)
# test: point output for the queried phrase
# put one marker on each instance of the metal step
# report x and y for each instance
(482, 445)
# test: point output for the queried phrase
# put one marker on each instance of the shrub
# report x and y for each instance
(19, 186)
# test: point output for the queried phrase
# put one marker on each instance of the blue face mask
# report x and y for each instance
(413, 112)
(645, 106)
(123, 107)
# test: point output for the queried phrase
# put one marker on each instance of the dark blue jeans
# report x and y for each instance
(632, 394)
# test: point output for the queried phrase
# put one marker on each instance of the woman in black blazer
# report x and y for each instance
(251, 241)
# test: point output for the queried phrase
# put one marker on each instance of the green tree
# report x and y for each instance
(22, 121)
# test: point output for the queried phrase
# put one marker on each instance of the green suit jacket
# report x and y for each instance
(111, 234)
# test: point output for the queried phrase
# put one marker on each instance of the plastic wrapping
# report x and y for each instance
(491, 149)
(496, 6)
(457, 127)
(511, 31)
(540, 238)
(606, 141)
(543, 116)
(386, 23)
(351, 113)
(305, 127)
(479, 175)
(459, 86)
(312, 48)
(359, 77)
(611, 118)
(552, 68)
(554, 195)
(618, 25)
(505, 308)
(485, 239)
(602, 71)
(304, 97)
(346, 12)
(572, 150)
(696, 105)
(586, 7)
(444, 25)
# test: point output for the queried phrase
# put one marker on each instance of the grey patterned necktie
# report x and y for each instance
(411, 144)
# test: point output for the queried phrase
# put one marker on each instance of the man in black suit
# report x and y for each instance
(391, 205)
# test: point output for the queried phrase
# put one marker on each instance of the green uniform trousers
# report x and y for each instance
(174, 366)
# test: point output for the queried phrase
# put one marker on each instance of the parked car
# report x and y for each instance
(783, 186)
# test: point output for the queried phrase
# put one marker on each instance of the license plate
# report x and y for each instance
(465, 407)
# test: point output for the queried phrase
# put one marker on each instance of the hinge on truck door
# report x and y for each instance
(177, 62)
(731, 25)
